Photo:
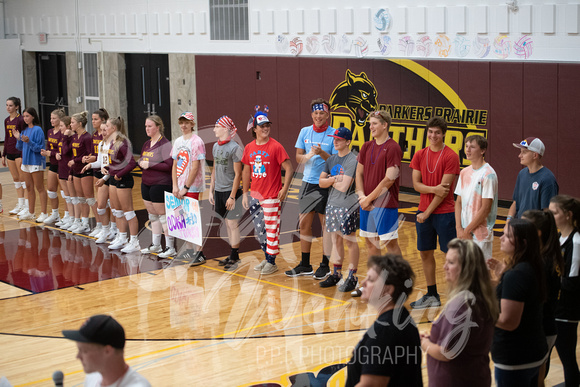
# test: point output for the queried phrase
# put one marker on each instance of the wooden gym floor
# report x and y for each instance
(187, 326)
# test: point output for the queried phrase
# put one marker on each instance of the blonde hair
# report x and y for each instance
(59, 113)
(157, 121)
(81, 118)
(382, 115)
(118, 123)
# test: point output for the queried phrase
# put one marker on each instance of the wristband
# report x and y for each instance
(186, 187)
(509, 217)
(232, 198)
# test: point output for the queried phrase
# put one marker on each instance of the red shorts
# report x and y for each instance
(193, 195)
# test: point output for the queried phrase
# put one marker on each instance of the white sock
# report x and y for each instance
(169, 241)
(99, 224)
(123, 235)
(114, 226)
(66, 215)
(133, 239)
(85, 221)
(21, 202)
(156, 240)
(55, 211)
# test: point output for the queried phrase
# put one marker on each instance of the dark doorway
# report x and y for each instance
(147, 94)
(52, 92)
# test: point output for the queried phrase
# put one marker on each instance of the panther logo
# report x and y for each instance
(356, 93)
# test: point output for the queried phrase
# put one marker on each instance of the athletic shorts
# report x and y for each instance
(31, 168)
(125, 182)
(97, 173)
(155, 193)
(193, 195)
(381, 222)
(442, 225)
(220, 205)
(13, 156)
(53, 168)
(88, 172)
(312, 198)
(340, 219)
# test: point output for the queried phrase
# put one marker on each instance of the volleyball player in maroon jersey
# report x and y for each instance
(82, 145)
(54, 136)
(65, 178)
(12, 156)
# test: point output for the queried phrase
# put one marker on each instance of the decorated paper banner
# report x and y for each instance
(183, 218)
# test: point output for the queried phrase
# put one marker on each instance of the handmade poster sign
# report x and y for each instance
(183, 218)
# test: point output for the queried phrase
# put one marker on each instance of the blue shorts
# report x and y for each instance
(442, 225)
(381, 222)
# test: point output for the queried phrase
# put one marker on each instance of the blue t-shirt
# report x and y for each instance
(533, 191)
(315, 165)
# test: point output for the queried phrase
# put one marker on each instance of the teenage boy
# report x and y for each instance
(434, 171)
(476, 190)
(377, 186)
(263, 159)
(188, 175)
(536, 184)
(313, 148)
(224, 188)
(342, 215)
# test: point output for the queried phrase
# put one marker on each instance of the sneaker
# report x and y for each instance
(300, 270)
(26, 216)
(322, 272)
(199, 259)
(268, 269)
(96, 231)
(102, 237)
(168, 252)
(53, 218)
(23, 211)
(132, 247)
(225, 262)
(260, 266)
(15, 210)
(356, 292)
(233, 265)
(151, 249)
(41, 218)
(1, 208)
(349, 284)
(427, 301)
(82, 228)
(113, 232)
(330, 281)
(118, 243)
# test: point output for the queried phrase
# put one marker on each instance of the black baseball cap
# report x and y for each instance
(99, 329)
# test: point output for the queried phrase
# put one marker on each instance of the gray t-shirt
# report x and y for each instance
(336, 165)
(224, 157)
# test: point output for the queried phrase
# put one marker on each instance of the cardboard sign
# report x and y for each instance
(183, 218)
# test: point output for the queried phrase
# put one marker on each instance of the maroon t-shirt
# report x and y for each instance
(9, 140)
(376, 159)
(81, 146)
(121, 159)
(160, 162)
(52, 145)
(65, 156)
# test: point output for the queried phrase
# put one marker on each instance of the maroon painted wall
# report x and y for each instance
(522, 100)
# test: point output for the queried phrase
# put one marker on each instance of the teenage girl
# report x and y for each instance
(121, 163)
(54, 137)
(566, 210)
(67, 189)
(12, 156)
(30, 142)
(82, 145)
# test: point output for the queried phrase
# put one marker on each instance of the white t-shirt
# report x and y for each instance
(130, 379)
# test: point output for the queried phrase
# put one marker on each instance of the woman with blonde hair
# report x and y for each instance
(11, 156)
(65, 178)
(458, 345)
(54, 137)
(121, 163)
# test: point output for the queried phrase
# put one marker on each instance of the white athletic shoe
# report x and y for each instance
(15, 210)
(113, 232)
(118, 243)
(96, 231)
(41, 218)
(168, 253)
(73, 226)
(23, 211)
(131, 247)
(152, 249)
(62, 221)
(68, 224)
(53, 218)
(82, 228)
(26, 216)
(102, 237)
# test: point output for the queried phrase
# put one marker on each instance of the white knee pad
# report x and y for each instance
(51, 194)
(153, 217)
(62, 194)
(91, 201)
(81, 200)
(23, 184)
(101, 211)
(118, 213)
(75, 200)
(163, 219)
(130, 215)
(17, 184)
(68, 199)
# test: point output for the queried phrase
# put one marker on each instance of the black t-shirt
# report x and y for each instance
(391, 347)
(527, 343)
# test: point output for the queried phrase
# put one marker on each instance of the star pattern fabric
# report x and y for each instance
(266, 218)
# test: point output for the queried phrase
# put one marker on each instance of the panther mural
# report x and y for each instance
(356, 93)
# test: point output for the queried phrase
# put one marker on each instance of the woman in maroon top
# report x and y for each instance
(156, 163)
(121, 163)
(54, 136)
(11, 155)
(82, 145)
(68, 192)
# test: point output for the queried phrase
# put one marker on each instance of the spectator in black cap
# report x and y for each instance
(101, 343)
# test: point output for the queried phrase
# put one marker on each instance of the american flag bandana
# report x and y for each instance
(227, 123)
(320, 106)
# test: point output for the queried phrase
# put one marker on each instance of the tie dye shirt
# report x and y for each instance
(187, 150)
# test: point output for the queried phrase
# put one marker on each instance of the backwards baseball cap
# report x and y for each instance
(342, 132)
(187, 116)
(261, 118)
(99, 329)
(533, 144)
